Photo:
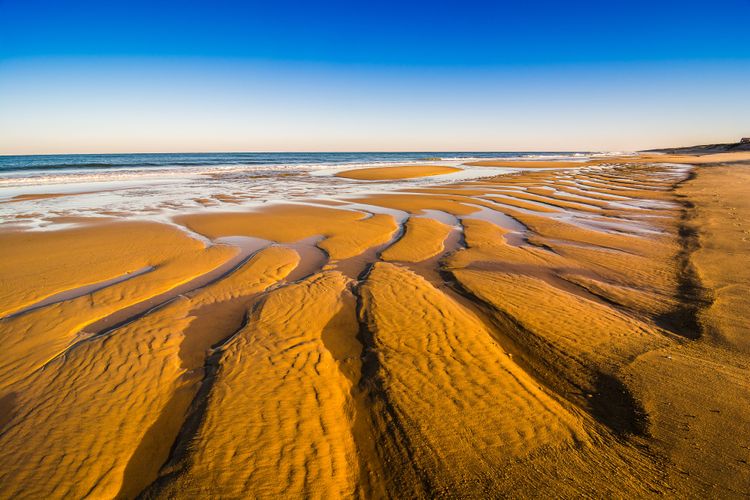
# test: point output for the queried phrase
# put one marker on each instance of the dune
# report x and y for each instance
(395, 173)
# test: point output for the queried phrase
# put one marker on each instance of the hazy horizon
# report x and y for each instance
(353, 151)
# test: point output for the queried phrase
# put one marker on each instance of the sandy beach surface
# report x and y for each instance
(391, 173)
(519, 329)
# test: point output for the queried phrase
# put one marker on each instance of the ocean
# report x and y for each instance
(77, 162)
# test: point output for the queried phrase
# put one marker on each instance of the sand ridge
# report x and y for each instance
(278, 405)
(423, 238)
(396, 172)
(441, 378)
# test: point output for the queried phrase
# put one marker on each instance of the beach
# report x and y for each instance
(460, 326)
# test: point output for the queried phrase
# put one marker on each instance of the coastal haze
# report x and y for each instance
(387, 251)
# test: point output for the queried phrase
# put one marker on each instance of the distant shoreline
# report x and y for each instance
(704, 149)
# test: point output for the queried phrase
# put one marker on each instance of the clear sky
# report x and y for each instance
(371, 76)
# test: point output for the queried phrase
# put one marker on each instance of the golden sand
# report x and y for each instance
(278, 405)
(346, 233)
(34, 338)
(394, 173)
(702, 424)
(66, 260)
(43, 196)
(579, 333)
(423, 238)
(439, 381)
(141, 367)
(691, 159)
(722, 259)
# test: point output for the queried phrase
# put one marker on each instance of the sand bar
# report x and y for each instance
(394, 173)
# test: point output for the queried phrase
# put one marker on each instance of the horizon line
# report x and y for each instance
(332, 152)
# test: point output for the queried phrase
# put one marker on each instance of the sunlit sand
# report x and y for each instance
(392, 173)
(568, 328)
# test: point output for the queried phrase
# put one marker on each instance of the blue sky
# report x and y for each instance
(224, 75)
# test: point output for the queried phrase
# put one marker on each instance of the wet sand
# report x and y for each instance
(572, 330)
(393, 173)
(527, 164)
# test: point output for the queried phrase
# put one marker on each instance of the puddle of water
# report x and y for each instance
(247, 244)
(497, 218)
(517, 231)
(439, 215)
(399, 215)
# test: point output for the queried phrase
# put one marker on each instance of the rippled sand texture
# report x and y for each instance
(568, 332)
